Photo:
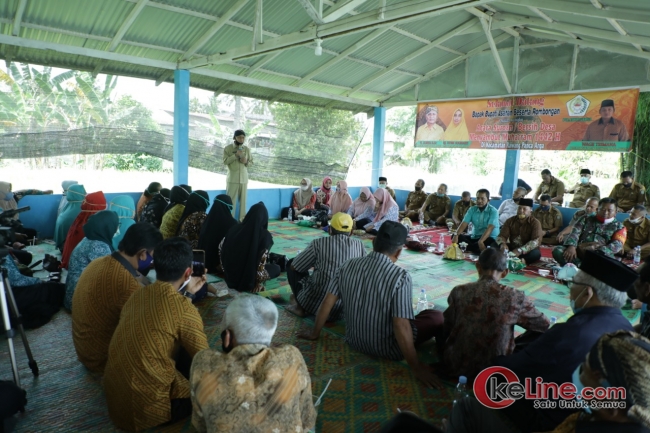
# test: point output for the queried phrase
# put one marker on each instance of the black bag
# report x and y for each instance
(51, 263)
(321, 216)
(278, 259)
(12, 400)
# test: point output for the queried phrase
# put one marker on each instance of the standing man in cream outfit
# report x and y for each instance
(237, 158)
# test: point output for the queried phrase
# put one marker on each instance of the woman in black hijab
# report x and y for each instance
(193, 216)
(214, 228)
(178, 195)
(244, 252)
(154, 210)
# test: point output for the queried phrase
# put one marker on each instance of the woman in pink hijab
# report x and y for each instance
(324, 193)
(341, 200)
(362, 210)
(385, 210)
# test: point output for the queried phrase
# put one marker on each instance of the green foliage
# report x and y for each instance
(134, 162)
(640, 160)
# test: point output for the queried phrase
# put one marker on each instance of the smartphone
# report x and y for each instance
(198, 263)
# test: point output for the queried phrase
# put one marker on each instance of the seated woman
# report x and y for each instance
(304, 199)
(154, 210)
(214, 228)
(173, 211)
(244, 251)
(152, 190)
(8, 202)
(324, 195)
(74, 197)
(124, 207)
(93, 203)
(362, 208)
(385, 210)
(98, 242)
(64, 199)
(193, 216)
(341, 200)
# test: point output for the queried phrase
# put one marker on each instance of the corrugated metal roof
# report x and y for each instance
(77, 33)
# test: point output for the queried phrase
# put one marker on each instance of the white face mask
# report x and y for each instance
(609, 220)
(185, 283)
(382, 185)
(304, 187)
(637, 221)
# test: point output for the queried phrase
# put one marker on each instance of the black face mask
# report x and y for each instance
(516, 200)
(224, 348)
(627, 185)
(418, 188)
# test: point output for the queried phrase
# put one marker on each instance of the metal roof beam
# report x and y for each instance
(412, 56)
(258, 65)
(18, 18)
(342, 8)
(311, 11)
(495, 53)
(580, 30)
(446, 66)
(581, 9)
(482, 15)
(401, 12)
(619, 28)
(221, 21)
(618, 49)
(126, 25)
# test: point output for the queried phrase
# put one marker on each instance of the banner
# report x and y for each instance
(600, 121)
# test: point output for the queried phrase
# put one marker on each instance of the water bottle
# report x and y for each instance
(461, 389)
(290, 214)
(637, 255)
(421, 218)
(470, 229)
(506, 252)
(553, 321)
(423, 304)
(441, 243)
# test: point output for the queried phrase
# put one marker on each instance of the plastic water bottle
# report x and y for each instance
(506, 252)
(461, 389)
(470, 229)
(441, 243)
(553, 321)
(637, 255)
(423, 304)
(421, 218)
(290, 214)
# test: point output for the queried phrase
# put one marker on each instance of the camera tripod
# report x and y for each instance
(7, 301)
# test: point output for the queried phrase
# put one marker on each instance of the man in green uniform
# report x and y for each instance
(522, 233)
(590, 210)
(583, 190)
(550, 186)
(601, 232)
(550, 218)
(414, 202)
(638, 233)
(436, 207)
(460, 209)
(628, 193)
(237, 158)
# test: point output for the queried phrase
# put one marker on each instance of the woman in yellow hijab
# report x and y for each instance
(457, 130)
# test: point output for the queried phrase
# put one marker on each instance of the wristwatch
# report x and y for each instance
(187, 294)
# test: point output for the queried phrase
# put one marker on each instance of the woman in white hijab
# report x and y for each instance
(304, 199)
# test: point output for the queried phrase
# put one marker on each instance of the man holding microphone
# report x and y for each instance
(237, 158)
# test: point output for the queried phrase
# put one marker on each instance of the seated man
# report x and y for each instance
(460, 209)
(590, 209)
(251, 386)
(601, 232)
(642, 292)
(325, 255)
(485, 223)
(509, 207)
(436, 207)
(480, 319)
(159, 332)
(550, 218)
(597, 293)
(383, 183)
(103, 289)
(414, 202)
(628, 193)
(520, 184)
(583, 190)
(522, 234)
(550, 186)
(377, 295)
(638, 233)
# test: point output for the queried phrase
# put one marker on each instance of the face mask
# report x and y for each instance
(591, 214)
(521, 216)
(572, 302)
(333, 189)
(440, 194)
(584, 180)
(382, 185)
(637, 221)
(575, 378)
(545, 208)
(603, 220)
(185, 283)
(143, 265)
(627, 185)
(516, 200)
(418, 188)
(229, 206)
(9, 196)
(304, 187)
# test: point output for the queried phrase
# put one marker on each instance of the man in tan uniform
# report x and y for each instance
(460, 209)
(583, 190)
(628, 193)
(550, 186)
(237, 158)
(607, 128)
(414, 202)
(550, 218)
(436, 207)
(522, 233)
(638, 233)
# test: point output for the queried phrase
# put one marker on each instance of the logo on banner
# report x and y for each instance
(577, 106)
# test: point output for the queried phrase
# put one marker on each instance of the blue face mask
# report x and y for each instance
(223, 202)
(584, 180)
(545, 208)
(572, 302)
(440, 194)
(591, 214)
(575, 378)
(9, 196)
(143, 265)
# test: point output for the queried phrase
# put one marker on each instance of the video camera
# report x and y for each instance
(8, 224)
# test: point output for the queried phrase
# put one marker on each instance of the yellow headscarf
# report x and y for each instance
(457, 132)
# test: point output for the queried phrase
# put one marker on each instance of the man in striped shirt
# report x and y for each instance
(325, 255)
(377, 299)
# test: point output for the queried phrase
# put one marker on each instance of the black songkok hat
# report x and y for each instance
(585, 171)
(608, 271)
(392, 233)
(607, 103)
(526, 202)
(382, 178)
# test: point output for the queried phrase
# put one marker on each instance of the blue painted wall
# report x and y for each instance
(42, 215)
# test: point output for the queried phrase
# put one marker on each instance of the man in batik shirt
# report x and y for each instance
(522, 233)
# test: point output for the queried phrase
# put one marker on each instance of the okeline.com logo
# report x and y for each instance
(499, 387)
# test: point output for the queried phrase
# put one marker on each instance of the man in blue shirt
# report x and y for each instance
(485, 220)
